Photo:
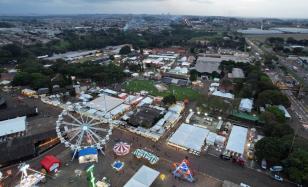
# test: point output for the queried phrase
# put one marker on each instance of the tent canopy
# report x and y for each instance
(189, 137)
(144, 177)
(237, 139)
(87, 151)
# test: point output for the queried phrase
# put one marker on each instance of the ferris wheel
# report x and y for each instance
(77, 131)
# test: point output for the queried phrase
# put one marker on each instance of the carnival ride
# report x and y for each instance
(182, 170)
(121, 148)
(29, 180)
(79, 131)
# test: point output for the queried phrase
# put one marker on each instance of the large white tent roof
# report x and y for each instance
(12, 126)
(189, 136)
(144, 177)
(105, 103)
(237, 139)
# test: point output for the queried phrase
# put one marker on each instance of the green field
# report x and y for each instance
(181, 93)
(262, 38)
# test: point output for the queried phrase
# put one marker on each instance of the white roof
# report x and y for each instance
(222, 94)
(119, 109)
(211, 137)
(177, 108)
(190, 137)
(237, 139)
(246, 104)
(147, 100)
(144, 177)
(286, 113)
(105, 103)
(237, 73)
(12, 126)
(108, 91)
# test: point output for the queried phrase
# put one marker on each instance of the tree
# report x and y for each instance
(125, 50)
(298, 50)
(169, 99)
(297, 166)
(273, 97)
(273, 150)
(22, 79)
(111, 57)
(279, 114)
(193, 75)
(39, 80)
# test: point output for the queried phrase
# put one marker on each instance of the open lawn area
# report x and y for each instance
(262, 38)
(180, 92)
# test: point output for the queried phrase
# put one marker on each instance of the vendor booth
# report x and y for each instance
(51, 163)
(88, 155)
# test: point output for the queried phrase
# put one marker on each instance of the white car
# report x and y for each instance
(244, 185)
(278, 178)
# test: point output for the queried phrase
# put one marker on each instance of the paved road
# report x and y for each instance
(204, 164)
(299, 107)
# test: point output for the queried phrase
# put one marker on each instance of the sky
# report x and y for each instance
(236, 8)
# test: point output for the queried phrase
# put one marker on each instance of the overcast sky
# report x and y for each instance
(242, 8)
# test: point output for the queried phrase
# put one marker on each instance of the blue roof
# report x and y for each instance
(87, 151)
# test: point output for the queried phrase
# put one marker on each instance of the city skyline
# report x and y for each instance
(235, 8)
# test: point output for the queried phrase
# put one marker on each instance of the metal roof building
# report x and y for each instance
(208, 64)
(12, 126)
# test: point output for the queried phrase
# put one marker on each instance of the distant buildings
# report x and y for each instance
(73, 55)
(208, 64)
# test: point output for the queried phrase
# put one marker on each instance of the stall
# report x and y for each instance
(140, 153)
(51, 163)
(88, 155)
(117, 165)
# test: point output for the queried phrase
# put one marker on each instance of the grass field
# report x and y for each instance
(180, 92)
(262, 38)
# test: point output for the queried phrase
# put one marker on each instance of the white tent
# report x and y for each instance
(237, 139)
(144, 177)
(210, 139)
(189, 137)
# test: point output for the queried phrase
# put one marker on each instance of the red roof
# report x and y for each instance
(48, 161)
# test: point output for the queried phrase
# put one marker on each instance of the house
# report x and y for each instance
(246, 105)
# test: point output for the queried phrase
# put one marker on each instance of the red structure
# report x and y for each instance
(51, 163)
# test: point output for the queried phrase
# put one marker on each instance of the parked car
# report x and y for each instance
(277, 178)
(276, 168)
(244, 185)
(263, 164)
(226, 155)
